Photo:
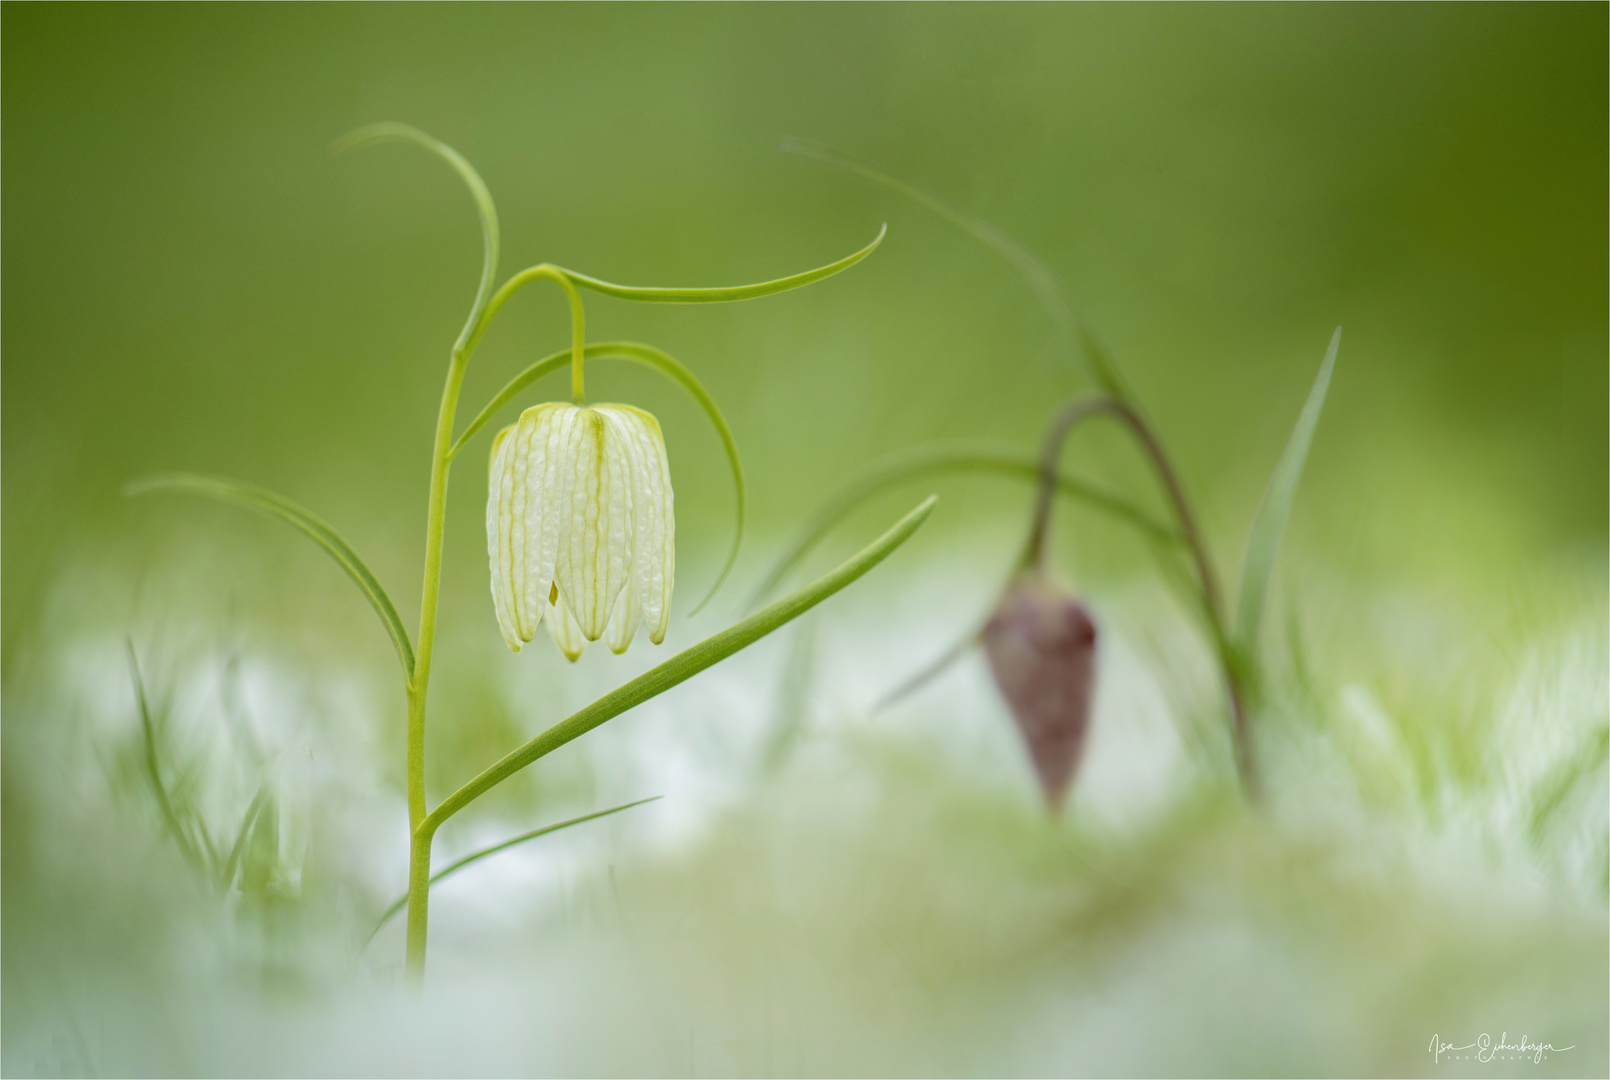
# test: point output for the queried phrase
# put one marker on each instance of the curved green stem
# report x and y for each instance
(897, 468)
(679, 668)
(578, 317)
(436, 514)
(1207, 580)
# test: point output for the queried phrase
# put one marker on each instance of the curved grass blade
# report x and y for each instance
(1071, 333)
(153, 768)
(682, 666)
(227, 876)
(946, 457)
(728, 294)
(389, 132)
(305, 522)
(402, 901)
(666, 365)
(929, 671)
(1263, 542)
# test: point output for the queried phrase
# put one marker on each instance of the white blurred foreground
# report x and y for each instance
(822, 889)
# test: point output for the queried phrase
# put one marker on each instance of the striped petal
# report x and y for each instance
(541, 429)
(562, 627)
(579, 526)
(499, 489)
(595, 546)
(624, 621)
(654, 557)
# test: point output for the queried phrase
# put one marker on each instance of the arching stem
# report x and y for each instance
(1034, 554)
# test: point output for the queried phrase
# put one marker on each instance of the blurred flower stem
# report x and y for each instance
(1212, 597)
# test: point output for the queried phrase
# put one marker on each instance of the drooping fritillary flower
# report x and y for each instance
(1041, 646)
(579, 526)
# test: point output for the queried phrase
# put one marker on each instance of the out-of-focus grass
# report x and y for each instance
(878, 893)
(192, 283)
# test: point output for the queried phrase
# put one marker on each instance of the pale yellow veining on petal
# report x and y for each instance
(580, 526)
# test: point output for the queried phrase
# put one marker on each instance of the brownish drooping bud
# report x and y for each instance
(1041, 644)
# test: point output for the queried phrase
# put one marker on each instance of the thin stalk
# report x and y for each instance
(435, 528)
(1034, 555)
(419, 685)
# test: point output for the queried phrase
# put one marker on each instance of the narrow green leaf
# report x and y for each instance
(1072, 335)
(304, 521)
(941, 458)
(239, 846)
(663, 363)
(402, 901)
(153, 768)
(682, 666)
(728, 294)
(1263, 542)
(388, 132)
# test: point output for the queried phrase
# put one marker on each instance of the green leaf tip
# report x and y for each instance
(1263, 541)
(391, 131)
(305, 522)
(731, 293)
(1073, 335)
(402, 901)
(683, 666)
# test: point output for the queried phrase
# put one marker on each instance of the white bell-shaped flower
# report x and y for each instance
(579, 526)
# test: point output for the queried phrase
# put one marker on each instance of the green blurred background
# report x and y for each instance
(193, 282)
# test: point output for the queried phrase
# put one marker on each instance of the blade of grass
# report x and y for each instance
(402, 901)
(246, 823)
(153, 767)
(1263, 542)
(1071, 332)
(682, 666)
(305, 522)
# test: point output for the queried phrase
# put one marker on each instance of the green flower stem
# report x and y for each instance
(678, 669)
(419, 684)
(578, 317)
(1207, 580)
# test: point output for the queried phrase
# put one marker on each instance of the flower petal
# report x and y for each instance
(624, 621)
(499, 486)
(538, 523)
(654, 561)
(594, 556)
(562, 627)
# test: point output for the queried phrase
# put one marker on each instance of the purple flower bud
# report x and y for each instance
(1041, 644)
